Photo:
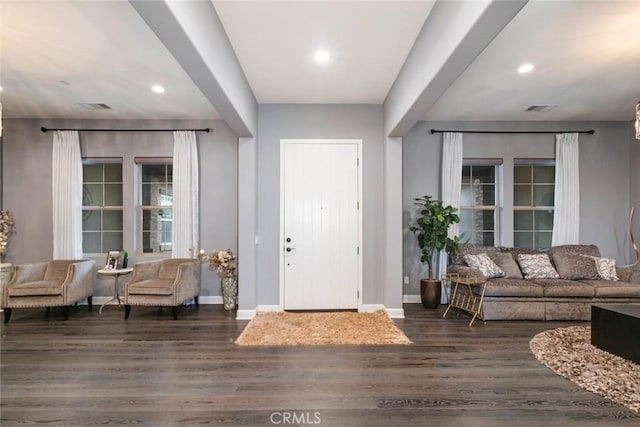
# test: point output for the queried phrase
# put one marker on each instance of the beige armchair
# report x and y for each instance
(168, 282)
(58, 283)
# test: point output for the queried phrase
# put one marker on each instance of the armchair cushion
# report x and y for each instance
(41, 287)
(151, 287)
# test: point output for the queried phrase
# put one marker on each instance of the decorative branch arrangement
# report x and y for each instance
(224, 262)
(6, 230)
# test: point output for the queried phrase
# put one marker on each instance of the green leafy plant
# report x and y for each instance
(431, 229)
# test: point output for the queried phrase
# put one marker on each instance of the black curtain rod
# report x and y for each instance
(44, 129)
(590, 132)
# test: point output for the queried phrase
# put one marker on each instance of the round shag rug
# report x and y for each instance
(568, 352)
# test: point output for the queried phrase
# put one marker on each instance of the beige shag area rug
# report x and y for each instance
(569, 353)
(324, 328)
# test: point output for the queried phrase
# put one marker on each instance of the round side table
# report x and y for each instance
(115, 273)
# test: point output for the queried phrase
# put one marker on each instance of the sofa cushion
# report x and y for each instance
(471, 249)
(606, 267)
(466, 272)
(611, 289)
(151, 287)
(575, 250)
(39, 288)
(507, 264)
(483, 263)
(502, 287)
(575, 267)
(566, 288)
(537, 266)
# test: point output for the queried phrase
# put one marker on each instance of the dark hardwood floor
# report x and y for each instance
(153, 371)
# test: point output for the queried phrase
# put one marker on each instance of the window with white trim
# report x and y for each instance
(101, 205)
(156, 204)
(479, 202)
(533, 202)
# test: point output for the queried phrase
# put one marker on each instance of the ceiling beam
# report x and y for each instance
(194, 35)
(453, 35)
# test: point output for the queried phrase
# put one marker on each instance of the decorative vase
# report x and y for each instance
(430, 293)
(6, 270)
(229, 292)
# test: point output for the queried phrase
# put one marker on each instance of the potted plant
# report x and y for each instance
(431, 229)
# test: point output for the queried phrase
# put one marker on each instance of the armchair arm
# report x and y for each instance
(187, 283)
(145, 271)
(79, 281)
(26, 273)
(628, 273)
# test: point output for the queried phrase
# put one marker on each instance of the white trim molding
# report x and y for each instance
(411, 299)
(394, 313)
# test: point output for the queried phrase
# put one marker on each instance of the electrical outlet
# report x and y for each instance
(406, 280)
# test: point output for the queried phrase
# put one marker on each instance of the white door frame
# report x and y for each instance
(281, 244)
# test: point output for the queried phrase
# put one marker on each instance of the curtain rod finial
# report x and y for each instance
(433, 131)
(591, 132)
(44, 129)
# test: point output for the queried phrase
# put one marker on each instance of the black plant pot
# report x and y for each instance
(430, 293)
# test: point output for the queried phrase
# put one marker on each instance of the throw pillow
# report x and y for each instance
(537, 266)
(575, 267)
(507, 264)
(483, 263)
(606, 267)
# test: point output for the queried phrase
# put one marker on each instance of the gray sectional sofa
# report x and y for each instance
(567, 297)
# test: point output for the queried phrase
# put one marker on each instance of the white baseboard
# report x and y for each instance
(250, 314)
(245, 314)
(411, 299)
(394, 313)
(370, 308)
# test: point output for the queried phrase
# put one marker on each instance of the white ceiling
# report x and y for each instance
(586, 53)
(56, 54)
(587, 62)
(275, 43)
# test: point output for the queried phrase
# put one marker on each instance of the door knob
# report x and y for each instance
(288, 249)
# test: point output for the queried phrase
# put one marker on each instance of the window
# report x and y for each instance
(156, 203)
(101, 205)
(533, 201)
(479, 208)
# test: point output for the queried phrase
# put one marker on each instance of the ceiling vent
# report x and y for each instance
(541, 108)
(94, 105)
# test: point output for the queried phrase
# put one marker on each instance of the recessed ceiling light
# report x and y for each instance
(1, 89)
(525, 68)
(321, 56)
(157, 89)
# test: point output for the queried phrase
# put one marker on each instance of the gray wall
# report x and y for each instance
(277, 122)
(27, 182)
(604, 177)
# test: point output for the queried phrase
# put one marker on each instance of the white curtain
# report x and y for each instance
(451, 180)
(67, 195)
(185, 229)
(566, 214)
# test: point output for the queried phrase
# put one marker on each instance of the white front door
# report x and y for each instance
(321, 220)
